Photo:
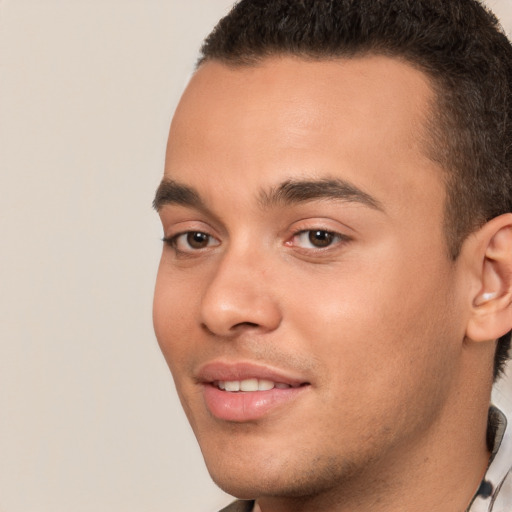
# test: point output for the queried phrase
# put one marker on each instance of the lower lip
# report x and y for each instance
(243, 406)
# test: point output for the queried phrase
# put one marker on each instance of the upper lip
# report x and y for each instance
(230, 371)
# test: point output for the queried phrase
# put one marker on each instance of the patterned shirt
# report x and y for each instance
(495, 492)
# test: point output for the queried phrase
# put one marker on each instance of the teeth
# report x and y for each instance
(232, 385)
(265, 385)
(249, 385)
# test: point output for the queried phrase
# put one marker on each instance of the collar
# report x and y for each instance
(495, 491)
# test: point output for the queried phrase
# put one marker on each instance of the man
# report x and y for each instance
(337, 265)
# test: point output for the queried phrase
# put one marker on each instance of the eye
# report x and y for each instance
(316, 239)
(191, 241)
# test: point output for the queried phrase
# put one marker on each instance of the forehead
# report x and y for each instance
(361, 119)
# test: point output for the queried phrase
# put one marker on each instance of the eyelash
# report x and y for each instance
(173, 241)
(333, 238)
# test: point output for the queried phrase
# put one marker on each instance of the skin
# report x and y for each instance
(376, 323)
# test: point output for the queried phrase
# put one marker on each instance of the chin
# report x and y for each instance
(243, 474)
(250, 486)
(279, 476)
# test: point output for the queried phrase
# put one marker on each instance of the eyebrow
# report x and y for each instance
(172, 192)
(301, 191)
(287, 193)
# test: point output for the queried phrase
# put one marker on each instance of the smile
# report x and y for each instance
(251, 385)
(244, 392)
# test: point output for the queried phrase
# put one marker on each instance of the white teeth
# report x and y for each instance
(249, 385)
(265, 385)
(232, 385)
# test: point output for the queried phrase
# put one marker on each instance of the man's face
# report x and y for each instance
(306, 264)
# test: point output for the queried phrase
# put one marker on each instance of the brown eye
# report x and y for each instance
(191, 241)
(197, 240)
(320, 238)
(315, 239)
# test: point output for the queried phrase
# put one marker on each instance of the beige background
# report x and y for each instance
(88, 416)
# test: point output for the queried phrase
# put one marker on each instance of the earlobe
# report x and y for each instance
(491, 315)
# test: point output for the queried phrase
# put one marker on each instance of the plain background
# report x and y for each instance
(89, 420)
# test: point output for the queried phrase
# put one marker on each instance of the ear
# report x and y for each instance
(491, 313)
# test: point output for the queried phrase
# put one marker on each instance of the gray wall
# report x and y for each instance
(88, 416)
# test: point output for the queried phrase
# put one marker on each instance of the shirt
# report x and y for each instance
(495, 492)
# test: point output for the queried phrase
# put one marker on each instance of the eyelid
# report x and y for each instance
(173, 240)
(337, 238)
(342, 235)
(174, 228)
(178, 225)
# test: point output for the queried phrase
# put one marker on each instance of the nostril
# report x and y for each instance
(245, 324)
(206, 328)
(234, 330)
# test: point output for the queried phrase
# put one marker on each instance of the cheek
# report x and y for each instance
(172, 320)
(173, 310)
(378, 322)
(384, 358)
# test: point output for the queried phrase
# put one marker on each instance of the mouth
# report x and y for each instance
(252, 385)
(245, 392)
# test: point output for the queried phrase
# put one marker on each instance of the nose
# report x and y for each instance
(239, 297)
